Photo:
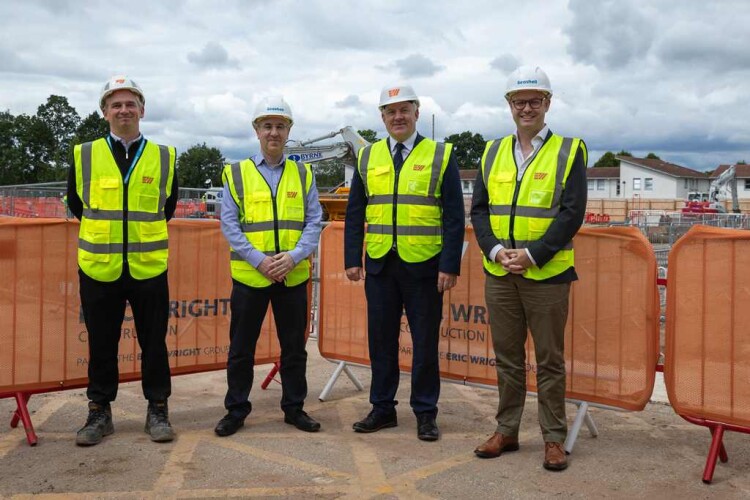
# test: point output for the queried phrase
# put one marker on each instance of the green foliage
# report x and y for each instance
(199, 164)
(91, 128)
(329, 173)
(467, 149)
(741, 162)
(624, 153)
(652, 156)
(369, 135)
(607, 160)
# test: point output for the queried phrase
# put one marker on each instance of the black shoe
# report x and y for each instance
(375, 421)
(229, 425)
(427, 429)
(157, 422)
(98, 424)
(301, 421)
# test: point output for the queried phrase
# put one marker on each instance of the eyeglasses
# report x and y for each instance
(535, 103)
(269, 127)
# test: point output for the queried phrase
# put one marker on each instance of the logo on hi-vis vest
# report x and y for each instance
(540, 175)
(147, 180)
(393, 92)
(418, 168)
(291, 194)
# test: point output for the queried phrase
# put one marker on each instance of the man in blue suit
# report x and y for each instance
(407, 189)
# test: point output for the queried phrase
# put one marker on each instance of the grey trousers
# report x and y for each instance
(515, 305)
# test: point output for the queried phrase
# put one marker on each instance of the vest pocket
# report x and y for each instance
(541, 198)
(148, 203)
(97, 232)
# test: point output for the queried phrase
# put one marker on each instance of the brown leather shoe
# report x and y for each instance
(496, 445)
(554, 457)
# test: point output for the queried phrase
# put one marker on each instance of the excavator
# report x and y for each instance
(723, 187)
(333, 202)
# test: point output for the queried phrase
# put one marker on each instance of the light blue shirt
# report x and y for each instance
(230, 218)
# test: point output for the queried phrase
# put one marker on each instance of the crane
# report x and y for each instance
(725, 183)
(334, 203)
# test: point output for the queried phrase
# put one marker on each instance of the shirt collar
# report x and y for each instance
(539, 137)
(408, 143)
(260, 160)
(123, 142)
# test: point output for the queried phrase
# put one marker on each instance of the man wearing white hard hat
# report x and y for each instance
(529, 201)
(271, 217)
(407, 189)
(123, 189)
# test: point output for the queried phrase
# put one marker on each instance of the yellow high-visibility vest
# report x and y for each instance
(272, 224)
(100, 185)
(521, 214)
(414, 203)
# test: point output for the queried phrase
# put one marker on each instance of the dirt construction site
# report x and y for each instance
(648, 454)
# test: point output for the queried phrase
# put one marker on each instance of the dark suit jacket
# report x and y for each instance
(447, 261)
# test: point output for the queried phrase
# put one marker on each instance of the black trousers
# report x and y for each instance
(249, 306)
(389, 292)
(103, 312)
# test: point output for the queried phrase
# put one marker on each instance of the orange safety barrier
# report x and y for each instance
(42, 333)
(613, 328)
(707, 351)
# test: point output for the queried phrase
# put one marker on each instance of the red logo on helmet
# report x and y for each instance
(120, 80)
(147, 180)
(540, 175)
(393, 92)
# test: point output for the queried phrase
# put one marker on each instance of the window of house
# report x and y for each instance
(636, 183)
(747, 184)
(591, 184)
(648, 184)
(600, 184)
(467, 186)
(686, 183)
(618, 188)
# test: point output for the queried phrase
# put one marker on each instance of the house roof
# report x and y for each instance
(740, 170)
(603, 173)
(663, 167)
(468, 174)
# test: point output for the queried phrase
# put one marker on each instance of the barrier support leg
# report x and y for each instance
(341, 366)
(570, 441)
(270, 376)
(589, 421)
(713, 453)
(22, 414)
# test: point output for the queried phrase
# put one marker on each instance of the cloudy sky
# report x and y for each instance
(646, 76)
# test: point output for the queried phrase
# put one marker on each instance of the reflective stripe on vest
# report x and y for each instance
(520, 218)
(271, 223)
(417, 210)
(100, 186)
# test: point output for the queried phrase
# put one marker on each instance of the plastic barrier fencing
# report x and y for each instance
(43, 339)
(707, 352)
(611, 341)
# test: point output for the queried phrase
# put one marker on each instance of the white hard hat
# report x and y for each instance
(398, 93)
(273, 106)
(528, 78)
(120, 82)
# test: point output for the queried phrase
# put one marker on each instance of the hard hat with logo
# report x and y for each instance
(273, 106)
(528, 78)
(120, 82)
(398, 93)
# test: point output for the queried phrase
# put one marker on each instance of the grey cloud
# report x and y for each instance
(608, 34)
(505, 63)
(414, 66)
(719, 54)
(349, 101)
(213, 55)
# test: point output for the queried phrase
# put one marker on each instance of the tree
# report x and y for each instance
(199, 164)
(467, 149)
(652, 156)
(369, 135)
(62, 120)
(607, 160)
(624, 153)
(329, 173)
(741, 162)
(36, 146)
(91, 128)
(9, 152)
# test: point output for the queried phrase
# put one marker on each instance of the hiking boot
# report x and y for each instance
(157, 422)
(98, 424)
